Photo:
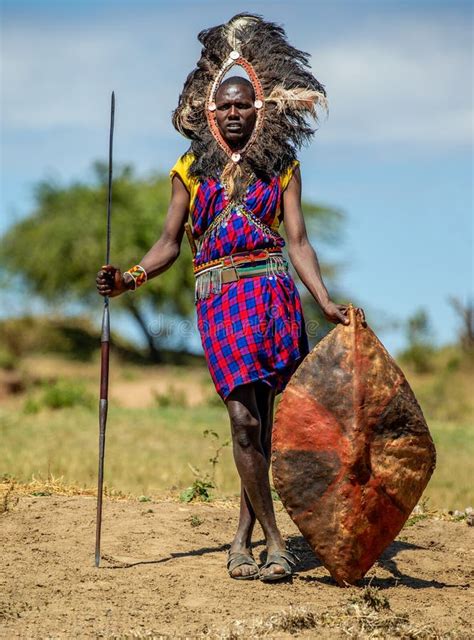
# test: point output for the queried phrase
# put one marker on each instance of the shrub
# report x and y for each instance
(61, 394)
(199, 490)
(173, 397)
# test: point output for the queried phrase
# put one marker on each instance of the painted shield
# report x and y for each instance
(352, 452)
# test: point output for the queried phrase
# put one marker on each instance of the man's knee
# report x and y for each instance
(245, 428)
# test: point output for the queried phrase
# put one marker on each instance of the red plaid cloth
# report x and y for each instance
(254, 329)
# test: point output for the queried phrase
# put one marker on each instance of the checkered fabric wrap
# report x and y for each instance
(254, 329)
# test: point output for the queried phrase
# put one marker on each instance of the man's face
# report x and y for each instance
(235, 113)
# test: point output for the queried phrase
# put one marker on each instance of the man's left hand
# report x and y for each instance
(337, 313)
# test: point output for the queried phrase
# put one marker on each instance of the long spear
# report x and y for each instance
(104, 353)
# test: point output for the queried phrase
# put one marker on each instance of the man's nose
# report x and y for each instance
(234, 112)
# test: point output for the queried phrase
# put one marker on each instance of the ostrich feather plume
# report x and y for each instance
(292, 95)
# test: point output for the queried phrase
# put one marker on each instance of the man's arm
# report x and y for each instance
(166, 249)
(110, 280)
(302, 255)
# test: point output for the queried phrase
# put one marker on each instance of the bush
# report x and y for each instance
(72, 337)
(173, 397)
(420, 357)
(61, 394)
(420, 351)
(8, 361)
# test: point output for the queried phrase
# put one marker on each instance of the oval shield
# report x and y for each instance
(352, 452)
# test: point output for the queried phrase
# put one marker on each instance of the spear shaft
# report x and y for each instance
(104, 353)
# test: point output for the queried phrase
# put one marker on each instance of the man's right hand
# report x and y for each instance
(110, 281)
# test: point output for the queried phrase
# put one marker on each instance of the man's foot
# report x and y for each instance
(242, 565)
(278, 566)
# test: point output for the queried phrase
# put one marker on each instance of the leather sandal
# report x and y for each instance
(284, 559)
(237, 559)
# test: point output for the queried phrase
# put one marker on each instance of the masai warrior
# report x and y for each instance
(237, 183)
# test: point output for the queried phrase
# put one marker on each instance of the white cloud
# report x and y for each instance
(58, 76)
(407, 82)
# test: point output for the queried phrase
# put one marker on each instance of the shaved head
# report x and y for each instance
(236, 81)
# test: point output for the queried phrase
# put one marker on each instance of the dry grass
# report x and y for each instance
(365, 616)
(7, 496)
(354, 622)
(10, 490)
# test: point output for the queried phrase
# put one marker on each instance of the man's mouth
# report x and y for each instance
(234, 127)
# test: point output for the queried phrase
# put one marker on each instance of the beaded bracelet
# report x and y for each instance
(138, 274)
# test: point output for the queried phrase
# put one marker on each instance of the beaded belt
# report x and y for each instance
(262, 262)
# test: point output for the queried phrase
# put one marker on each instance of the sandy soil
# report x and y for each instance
(163, 575)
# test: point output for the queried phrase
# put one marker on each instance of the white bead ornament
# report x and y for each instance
(212, 106)
(258, 104)
(235, 157)
(234, 55)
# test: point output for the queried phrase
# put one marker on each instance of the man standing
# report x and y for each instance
(238, 182)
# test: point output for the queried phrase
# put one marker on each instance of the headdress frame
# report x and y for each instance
(235, 59)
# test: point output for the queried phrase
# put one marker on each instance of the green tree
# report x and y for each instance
(465, 314)
(56, 251)
(420, 350)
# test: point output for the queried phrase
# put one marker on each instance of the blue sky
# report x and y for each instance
(395, 152)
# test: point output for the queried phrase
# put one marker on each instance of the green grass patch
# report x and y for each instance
(451, 484)
(147, 450)
(60, 394)
(172, 445)
(160, 449)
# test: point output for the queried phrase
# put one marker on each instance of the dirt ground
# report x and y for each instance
(163, 576)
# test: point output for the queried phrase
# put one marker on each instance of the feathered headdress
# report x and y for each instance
(286, 97)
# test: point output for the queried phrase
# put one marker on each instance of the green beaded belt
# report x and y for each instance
(229, 269)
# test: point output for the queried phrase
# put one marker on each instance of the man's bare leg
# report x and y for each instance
(242, 542)
(265, 401)
(251, 445)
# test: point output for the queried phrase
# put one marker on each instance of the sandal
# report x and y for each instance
(237, 559)
(284, 559)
